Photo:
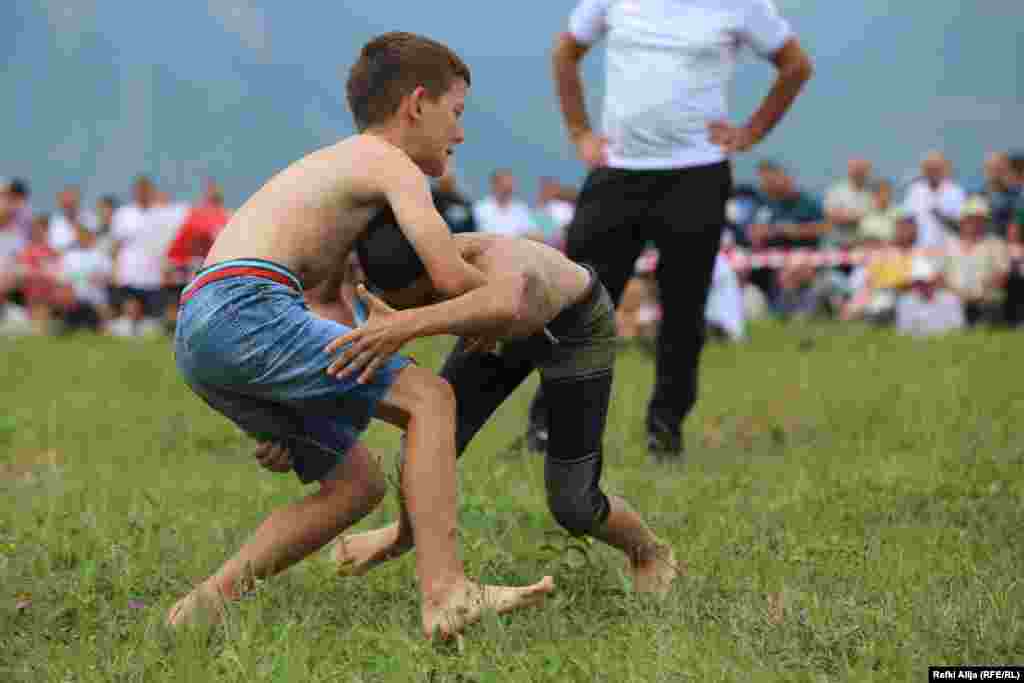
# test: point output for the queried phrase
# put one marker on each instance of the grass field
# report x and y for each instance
(851, 510)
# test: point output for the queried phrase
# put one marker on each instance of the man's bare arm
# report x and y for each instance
(794, 69)
(565, 61)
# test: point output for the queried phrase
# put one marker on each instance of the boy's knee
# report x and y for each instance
(433, 395)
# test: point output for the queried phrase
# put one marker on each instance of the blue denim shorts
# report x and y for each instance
(248, 345)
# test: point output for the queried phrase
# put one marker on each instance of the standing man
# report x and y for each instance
(660, 170)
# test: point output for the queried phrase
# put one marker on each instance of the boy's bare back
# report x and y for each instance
(307, 217)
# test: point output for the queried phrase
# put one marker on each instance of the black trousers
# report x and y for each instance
(683, 212)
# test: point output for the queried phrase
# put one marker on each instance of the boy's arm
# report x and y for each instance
(408, 193)
(505, 307)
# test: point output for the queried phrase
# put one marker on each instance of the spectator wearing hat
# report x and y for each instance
(928, 308)
(978, 264)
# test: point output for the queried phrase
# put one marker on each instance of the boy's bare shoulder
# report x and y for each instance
(373, 152)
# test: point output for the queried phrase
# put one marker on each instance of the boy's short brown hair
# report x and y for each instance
(391, 66)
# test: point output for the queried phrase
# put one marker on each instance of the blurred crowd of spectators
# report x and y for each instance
(932, 255)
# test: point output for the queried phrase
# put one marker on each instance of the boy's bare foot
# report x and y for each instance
(654, 570)
(203, 603)
(466, 602)
(357, 554)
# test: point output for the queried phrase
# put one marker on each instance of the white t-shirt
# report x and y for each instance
(923, 200)
(88, 271)
(62, 233)
(145, 235)
(512, 219)
(669, 64)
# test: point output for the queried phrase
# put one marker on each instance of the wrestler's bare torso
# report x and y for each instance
(307, 217)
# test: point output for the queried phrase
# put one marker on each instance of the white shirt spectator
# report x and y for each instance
(88, 270)
(947, 200)
(685, 51)
(145, 235)
(920, 317)
(512, 219)
(62, 233)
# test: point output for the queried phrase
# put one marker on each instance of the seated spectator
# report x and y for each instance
(847, 203)
(63, 223)
(878, 225)
(453, 206)
(38, 267)
(87, 268)
(936, 199)
(788, 219)
(978, 265)
(928, 308)
(877, 284)
(1001, 190)
(502, 212)
(552, 213)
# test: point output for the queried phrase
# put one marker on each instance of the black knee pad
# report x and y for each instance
(577, 412)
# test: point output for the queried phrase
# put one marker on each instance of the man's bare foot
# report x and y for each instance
(203, 603)
(654, 570)
(466, 602)
(359, 553)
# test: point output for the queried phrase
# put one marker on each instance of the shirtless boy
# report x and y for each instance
(248, 345)
(544, 312)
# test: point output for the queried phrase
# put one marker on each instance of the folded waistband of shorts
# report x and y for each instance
(241, 268)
